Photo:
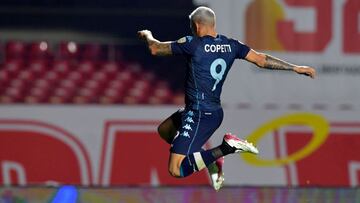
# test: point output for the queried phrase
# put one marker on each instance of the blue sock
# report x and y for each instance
(197, 161)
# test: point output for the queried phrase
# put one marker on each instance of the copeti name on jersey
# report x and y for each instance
(223, 48)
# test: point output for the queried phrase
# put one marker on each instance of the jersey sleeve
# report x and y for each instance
(241, 50)
(183, 46)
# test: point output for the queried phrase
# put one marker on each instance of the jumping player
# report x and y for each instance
(210, 57)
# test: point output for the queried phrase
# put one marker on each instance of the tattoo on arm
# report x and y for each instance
(159, 48)
(277, 64)
(163, 49)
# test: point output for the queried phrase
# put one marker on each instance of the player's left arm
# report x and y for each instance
(269, 62)
(155, 46)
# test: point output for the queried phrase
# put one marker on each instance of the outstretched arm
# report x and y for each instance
(269, 62)
(155, 46)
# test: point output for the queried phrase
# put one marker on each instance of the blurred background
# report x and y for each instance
(81, 98)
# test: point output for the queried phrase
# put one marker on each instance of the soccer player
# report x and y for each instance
(210, 57)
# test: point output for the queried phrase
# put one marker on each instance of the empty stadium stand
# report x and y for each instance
(72, 73)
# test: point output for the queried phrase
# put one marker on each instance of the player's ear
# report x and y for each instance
(197, 28)
(193, 28)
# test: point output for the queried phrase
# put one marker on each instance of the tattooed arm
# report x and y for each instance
(155, 46)
(269, 62)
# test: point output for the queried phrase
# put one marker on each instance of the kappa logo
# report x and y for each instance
(189, 120)
(185, 134)
(190, 113)
(187, 127)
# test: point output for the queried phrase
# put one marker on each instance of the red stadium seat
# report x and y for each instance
(68, 84)
(115, 90)
(62, 67)
(39, 50)
(86, 95)
(178, 99)
(148, 76)
(7, 99)
(37, 95)
(110, 92)
(13, 67)
(68, 51)
(86, 92)
(155, 100)
(94, 86)
(18, 84)
(82, 100)
(116, 84)
(138, 96)
(100, 77)
(144, 85)
(135, 69)
(163, 93)
(86, 68)
(15, 50)
(110, 99)
(33, 100)
(26, 75)
(91, 52)
(110, 69)
(126, 77)
(44, 84)
(38, 67)
(52, 76)
(135, 100)
(15, 94)
(39, 92)
(58, 100)
(4, 78)
(76, 77)
(61, 95)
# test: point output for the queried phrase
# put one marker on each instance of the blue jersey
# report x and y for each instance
(209, 61)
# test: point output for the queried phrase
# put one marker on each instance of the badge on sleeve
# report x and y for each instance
(181, 40)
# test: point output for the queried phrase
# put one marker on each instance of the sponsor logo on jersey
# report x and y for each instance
(181, 40)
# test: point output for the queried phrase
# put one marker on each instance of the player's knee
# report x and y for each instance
(175, 165)
(174, 171)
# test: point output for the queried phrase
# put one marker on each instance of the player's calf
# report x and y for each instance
(175, 164)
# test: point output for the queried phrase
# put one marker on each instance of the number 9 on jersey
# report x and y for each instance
(217, 75)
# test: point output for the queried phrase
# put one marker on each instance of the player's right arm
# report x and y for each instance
(155, 46)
